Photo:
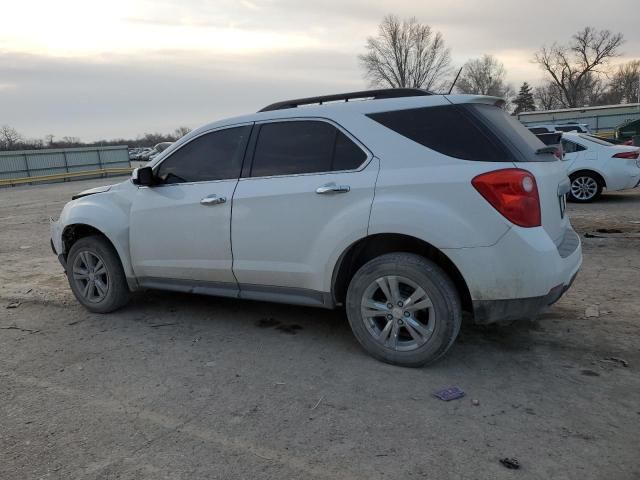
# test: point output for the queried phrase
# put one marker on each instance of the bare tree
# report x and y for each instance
(575, 67)
(485, 76)
(624, 86)
(406, 54)
(180, 132)
(547, 96)
(9, 137)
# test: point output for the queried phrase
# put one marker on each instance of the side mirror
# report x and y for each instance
(142, 176)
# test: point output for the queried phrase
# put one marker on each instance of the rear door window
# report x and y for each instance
(448, 129)
(298, 147)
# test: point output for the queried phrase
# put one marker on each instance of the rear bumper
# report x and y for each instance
(519, 276)
(492, 311)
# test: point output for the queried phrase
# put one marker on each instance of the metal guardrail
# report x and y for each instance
(52, 163)
(64, 176)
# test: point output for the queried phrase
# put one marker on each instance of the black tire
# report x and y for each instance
(116, 294)
(585, 179)
(445, 311)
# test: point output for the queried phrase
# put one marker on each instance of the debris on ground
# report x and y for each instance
(448, 394)
(608, 230)
(475, 402)
(316, 405)
(589, 373)
(29, 291)
(510, 463)
(592, 312)
(13, 305)
(619, 361)
(15, 327)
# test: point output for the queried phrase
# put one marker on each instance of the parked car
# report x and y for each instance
(157, 149)
(594, 164)
(376, 206)
(549, 138)
(560, 127)
(146, 154)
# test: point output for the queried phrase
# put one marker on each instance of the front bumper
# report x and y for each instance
(56, 242)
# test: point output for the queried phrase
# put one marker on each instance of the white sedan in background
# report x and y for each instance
(593, 165)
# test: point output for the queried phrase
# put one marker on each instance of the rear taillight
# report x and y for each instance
(632, 155)
(513, 192)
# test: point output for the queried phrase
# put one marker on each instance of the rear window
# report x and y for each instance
(597, 140)
(511, 132)
(448, 129)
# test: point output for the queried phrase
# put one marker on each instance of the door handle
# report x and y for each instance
(213, 200)
(333, 188)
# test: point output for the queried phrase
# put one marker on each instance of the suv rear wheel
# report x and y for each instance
(403, 309)
(96, 276)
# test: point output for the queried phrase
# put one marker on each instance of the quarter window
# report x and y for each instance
(212, 156)
(296, 147)
(449, 130)
(571, 147)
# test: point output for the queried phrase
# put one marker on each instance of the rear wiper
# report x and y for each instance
(544, 150)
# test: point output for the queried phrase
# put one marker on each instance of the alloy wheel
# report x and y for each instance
(584, 188)
(90, 276)
(398, 313)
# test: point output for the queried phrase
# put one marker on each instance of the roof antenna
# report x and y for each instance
(455, 80)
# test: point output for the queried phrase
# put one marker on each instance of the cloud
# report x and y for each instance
(121, 96)
(101, 70)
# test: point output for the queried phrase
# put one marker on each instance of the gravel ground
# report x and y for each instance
(186, 387)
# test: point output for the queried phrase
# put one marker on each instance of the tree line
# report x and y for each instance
(408, 54)
(11, 139)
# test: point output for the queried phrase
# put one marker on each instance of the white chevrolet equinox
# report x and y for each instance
(404, 207)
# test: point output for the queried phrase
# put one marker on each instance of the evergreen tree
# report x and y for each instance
(524, 101)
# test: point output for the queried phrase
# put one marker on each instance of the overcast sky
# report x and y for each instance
(119, 68)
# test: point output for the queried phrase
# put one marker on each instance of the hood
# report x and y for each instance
(92, 191)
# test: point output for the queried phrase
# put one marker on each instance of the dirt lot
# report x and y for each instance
(187, 387)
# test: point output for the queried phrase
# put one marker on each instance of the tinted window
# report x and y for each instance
(347, 155)
(536, 130)
(213, 156)
(446, 129)
(287, 148)
(520, 140)
(571, 147)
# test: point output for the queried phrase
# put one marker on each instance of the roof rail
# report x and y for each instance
(373, 94)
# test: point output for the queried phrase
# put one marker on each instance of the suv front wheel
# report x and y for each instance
(96, 276)
(403, 309)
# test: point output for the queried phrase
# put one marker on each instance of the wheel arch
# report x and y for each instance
(75, 231)
(367, 248)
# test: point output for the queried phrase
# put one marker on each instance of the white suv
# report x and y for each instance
(403, 207)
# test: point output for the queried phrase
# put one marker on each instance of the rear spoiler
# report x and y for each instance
(485, 99)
